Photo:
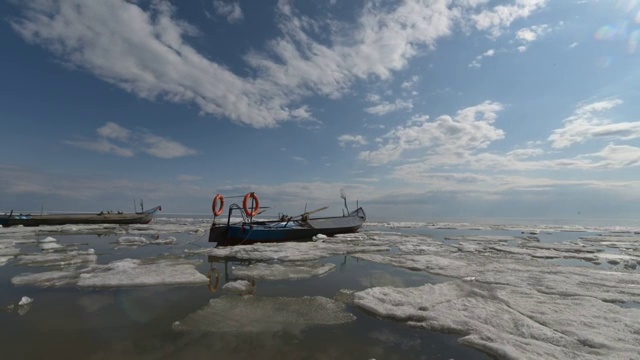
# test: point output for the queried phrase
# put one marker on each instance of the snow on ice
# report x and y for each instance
(513, 322)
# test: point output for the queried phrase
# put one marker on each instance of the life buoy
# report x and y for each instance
(256, 204)
(218, 209)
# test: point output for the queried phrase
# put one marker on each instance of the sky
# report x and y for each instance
(419, 110)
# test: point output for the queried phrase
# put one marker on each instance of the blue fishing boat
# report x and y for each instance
(286, 228)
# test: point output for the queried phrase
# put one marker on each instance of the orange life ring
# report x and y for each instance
(245, 204)
(217, 210)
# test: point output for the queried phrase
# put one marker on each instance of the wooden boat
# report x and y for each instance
(295, 228)
(120, 218)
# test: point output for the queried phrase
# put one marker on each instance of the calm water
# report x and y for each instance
(73, 322)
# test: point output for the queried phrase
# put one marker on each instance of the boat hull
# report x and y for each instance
(284, 231)
(80, 219)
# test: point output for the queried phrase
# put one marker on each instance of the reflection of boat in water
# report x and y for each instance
(216, 278)
(286, 228)
(119, 218)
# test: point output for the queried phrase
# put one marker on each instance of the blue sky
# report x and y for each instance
(418, 109)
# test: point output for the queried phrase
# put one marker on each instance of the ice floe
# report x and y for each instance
(25, 300)
(603, 284)
(22, 307)
(240, 287)
(287, 271)
(490, 238)
(251, 314)
(5, 259)
(298, 251)
(132, 241)
(135, 241)
(120, 273)
(58, 259)
(138, 272)
(511, 322)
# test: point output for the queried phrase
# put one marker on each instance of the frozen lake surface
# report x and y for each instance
(395, 290)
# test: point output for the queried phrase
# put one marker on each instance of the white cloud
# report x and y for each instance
(386, 107)
(531, 34)
(502, 16)
(189, 178)
(353, 140)
(164, 148)
(229, 9)
(145, 52)
(410, 83)
(587, 122)
(573, 45)
(132, 142)
(476, 61)
(102, 146)
(114, 131)
(299, 159)
(470, 130)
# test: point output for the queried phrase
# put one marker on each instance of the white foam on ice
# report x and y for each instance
(240, 287)
(137, 272)
(48, 239)
(264, 271)
(254, 314)
(511, 322)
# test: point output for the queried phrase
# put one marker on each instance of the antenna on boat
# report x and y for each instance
(141, 206)
(344, 197)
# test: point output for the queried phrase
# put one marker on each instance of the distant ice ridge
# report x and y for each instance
(513, 322)
(121, 273)
(254, 314)
(527, 229)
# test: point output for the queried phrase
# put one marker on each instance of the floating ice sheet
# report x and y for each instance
(299, 251)
(132, 241)
(5, 259)
(135, 272)
(265, 271)
(513, 323)
(58, 259)
(47, 278)
(489, 238)
(121, 273)
(240, 287)
(606, 285)
(251, 314)
(7, 249)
